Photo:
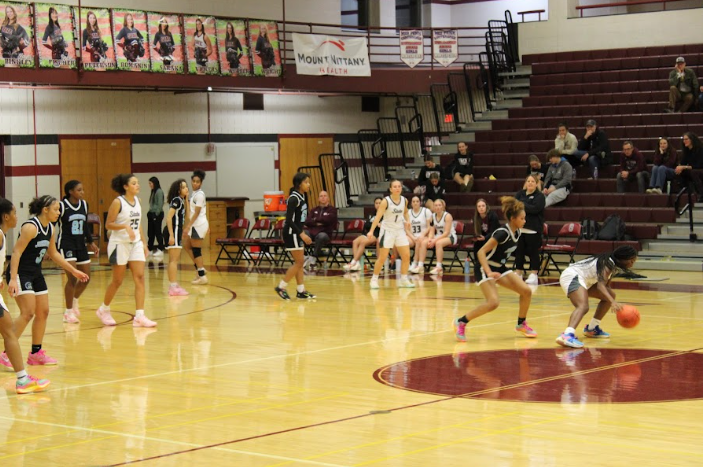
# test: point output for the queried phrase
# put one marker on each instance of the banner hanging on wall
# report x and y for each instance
(16, 35)
(327, 55)
(201, 45)
(412, 50)
(131, 40)
(98, 53)
(233, 47)
(446, 46)
(55, 41)
(166, 43)
(265, 53)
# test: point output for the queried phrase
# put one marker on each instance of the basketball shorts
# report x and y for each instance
(570, 281)
(391, 238)
(31, 283)
(178, 241)
(293, 241)
(502, 269)
(199, 231)
(74, 250)
(122, 253)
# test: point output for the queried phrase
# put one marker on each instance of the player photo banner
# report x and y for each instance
(265, 53)
(446, 49)
(166, 42)
(201, 45)
(326, 55)
(412, 47)
(16, 35)
(97, 51)
(56, 45)
(129, 30)
(233, 47)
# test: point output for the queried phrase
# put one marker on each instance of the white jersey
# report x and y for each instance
(420, 222)
(393, 218)
(440, 225)
(3, 255)
(200, 42)
(585, 270)
(198, 200)
(130, 214)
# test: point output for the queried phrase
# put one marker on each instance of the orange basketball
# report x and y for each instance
(628, 316)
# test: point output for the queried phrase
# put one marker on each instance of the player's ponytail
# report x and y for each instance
(38, 204)
(119, 182)
(614, 260)
(68, 187)
(511, 207)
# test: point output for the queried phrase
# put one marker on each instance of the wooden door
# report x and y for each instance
(79, 162)
(114, 157)
(299, 151)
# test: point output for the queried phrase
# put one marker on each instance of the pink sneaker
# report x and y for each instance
(105, 316)
(41, 358)
(526, 330)
(143, 322)
(70, 318)
(177, 291)
(76, 311)
(6, 365)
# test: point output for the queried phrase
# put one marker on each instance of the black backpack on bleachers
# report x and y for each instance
(589, 229)
(613, 228)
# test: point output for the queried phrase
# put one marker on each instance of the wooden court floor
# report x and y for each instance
(234, 376)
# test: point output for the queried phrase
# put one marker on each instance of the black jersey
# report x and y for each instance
(90, 37)
(179, 206)
(296, 213)
(54, 33)
(129, 35)
(163, 39)
(369, 223)
(73, 222)
(33, 254)
(507, 243)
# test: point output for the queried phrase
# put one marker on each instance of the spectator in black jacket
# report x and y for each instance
(594, 148)
(485, 223)
(632, 167)
(464, 167)
(530, 241)
(430, 168)
(434, 191)
(538, 169)
(691, 167)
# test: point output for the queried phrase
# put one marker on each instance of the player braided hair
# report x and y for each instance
(615, 260)
(68, 187)
(511, 207)
(38, 204)
(175, 190)
(119, 182)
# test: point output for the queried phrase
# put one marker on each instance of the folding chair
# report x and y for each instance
(93, 220)
(229, 241)
(262, 227)
(456, 247)
(569, 230)
(337, 244)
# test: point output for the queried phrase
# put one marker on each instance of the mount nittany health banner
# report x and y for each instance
(328, 55)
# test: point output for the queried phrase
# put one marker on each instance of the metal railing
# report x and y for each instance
(316, 184)
(356, 162)
(531, 12)
(581, 8)
(335, 178)
(478, 84)
(393, 140)
(384, 42)
(374, 156)
(445, 102)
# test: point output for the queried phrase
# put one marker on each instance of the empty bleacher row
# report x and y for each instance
(599, 54)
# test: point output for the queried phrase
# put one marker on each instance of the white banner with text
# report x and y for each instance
(328, 55)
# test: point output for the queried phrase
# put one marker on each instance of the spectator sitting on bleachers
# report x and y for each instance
(425, 173)
(632, 167)
(464, 167)
(557, 183)
(594, 148)
(433, 192)
(691, 167)
(567, 144)
(320, 226)
(538, 169)
(682, 87)
(665, 161)
(530, 242)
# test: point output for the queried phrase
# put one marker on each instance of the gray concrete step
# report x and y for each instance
(675, 247)
(681, 230)
(515, 93)
(668, 265)
(519, 83)
(493, 115)
(457, 137)
(521, 70)
(507, 104)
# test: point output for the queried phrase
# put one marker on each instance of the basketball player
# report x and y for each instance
(361, 242)
(127, 245)
(393, 215)
(441, 234)
(53, 36)
(591, 278)
(92, 39)
(74, 235)
(11, 358)
(202, 46)
(178, 193)
(295, 238)
(132, 40)
(197, 227)
(420, 222)
(163, 42)
(493, 257)
(26, 282)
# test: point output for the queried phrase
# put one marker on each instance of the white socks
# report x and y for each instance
(570, 331)
(140, 313)
(282, 284)
(593, 324)
(300, 288)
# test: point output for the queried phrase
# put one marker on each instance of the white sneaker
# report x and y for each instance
(657, 191)
(105, 316)
(532, 280)
(406, 283)
(374, 284)
(355, 267)
(414, 269)
(200, 280)
(436, 271)
(143, 322)
(347, 266)
(649, 190)
(70, 318)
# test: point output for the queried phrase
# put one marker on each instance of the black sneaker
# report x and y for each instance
(305, 295)
(282, 293)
